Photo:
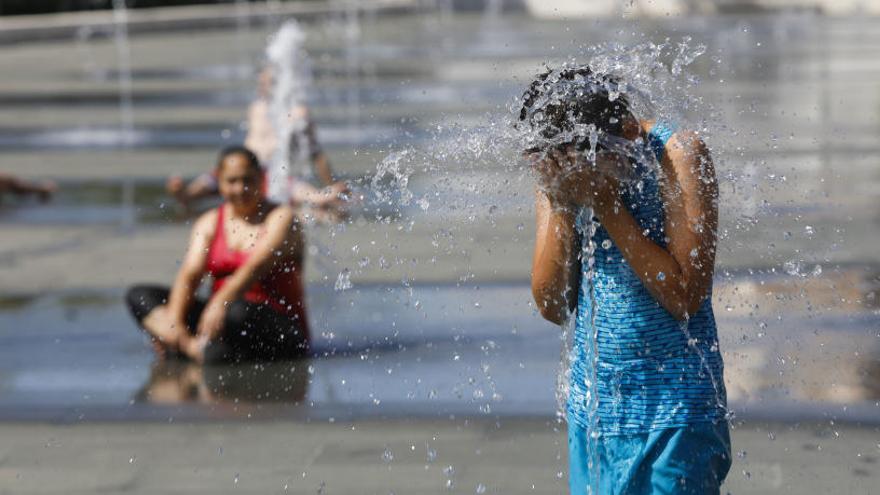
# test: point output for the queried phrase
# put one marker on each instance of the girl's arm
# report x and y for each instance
(552, 259)
(191, 271)
(680, 275)
(282, 243)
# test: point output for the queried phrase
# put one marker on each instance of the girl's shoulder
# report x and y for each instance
(685, 143)
(672, 139)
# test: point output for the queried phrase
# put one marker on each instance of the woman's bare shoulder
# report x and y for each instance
(206, 223)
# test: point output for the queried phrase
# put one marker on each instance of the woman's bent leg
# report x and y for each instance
(143, 299)
(148, 305)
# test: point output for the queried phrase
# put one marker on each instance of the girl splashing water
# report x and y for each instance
(646, 406)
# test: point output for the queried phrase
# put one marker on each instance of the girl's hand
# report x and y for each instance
(570, 180)
(211, 322)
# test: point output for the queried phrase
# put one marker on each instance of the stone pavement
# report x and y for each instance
(510, 456)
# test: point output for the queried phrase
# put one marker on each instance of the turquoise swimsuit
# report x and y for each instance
(653, 378)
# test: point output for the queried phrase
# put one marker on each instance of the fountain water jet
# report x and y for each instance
(291, 72)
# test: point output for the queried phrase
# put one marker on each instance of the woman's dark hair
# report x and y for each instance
(252, 160)
(587, 100)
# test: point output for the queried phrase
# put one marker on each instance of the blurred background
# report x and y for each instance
(433, 372)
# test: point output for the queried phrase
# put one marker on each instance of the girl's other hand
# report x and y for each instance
(552, 168)
(613, 165)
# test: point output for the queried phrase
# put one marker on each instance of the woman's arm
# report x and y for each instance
(552, 259)
(191, 271)
(322, 168)
(320, 162)
(679, 276)
(282, 243)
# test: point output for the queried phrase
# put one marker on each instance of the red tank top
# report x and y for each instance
(281, 288)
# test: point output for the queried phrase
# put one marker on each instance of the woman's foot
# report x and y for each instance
(165, 333)
(194, 348)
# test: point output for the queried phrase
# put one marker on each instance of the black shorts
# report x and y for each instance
(251, 332)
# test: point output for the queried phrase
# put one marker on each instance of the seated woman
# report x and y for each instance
(253, 250)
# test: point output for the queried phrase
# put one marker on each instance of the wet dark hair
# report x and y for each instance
(252, 160)
(590, 104)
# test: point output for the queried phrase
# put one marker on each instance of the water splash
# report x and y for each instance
(292, 75)
(654, 78)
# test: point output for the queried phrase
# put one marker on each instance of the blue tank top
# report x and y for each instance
(651, 371)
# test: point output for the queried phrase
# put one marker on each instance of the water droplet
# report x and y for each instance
(793, 267)
(343, 280)
(481, 488)
(387, 455)
(449, 472)
(661, 276)
(606, 244)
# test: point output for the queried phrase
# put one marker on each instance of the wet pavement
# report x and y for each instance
(438, 349)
